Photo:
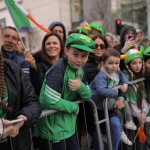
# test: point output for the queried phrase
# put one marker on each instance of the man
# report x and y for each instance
(11, 38)
(17, 100)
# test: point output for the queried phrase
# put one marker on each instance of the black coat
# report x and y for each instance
(37, 74)
(90, 69)
(23, 100)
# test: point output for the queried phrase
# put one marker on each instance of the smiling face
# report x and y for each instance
(52, 46)
(10, 39)
(136, 65)
(76, 57)
(111, 64)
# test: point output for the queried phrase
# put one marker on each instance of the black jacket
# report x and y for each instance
(37, 74)
(90, 69)
(23, 100)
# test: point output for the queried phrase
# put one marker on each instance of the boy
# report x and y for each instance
(62, 86)
(103, 86)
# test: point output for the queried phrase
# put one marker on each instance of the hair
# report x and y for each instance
(102, 38)
(44, 54)
(108, 53)
(134, 76)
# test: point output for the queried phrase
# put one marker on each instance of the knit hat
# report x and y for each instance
(58, 23)
(131, 55)
(80, 41)
(84, 29)
(95, 25)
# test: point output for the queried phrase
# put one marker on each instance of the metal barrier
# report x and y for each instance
(97, 122)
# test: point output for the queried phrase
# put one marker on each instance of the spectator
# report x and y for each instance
(11, 38)
(127, 41)
(96, 29)
(52, 49)
(110, 39)
(18, 101)
(59, 28)
(62, 87)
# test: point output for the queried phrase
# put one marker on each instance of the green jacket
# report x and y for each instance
(56, 95)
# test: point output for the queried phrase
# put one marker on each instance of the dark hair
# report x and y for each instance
(109, 52)
(102, 38)
(134, 76)
(44, 54)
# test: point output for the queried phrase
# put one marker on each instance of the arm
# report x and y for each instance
(51, 92)
(101, 83)
(29, 102)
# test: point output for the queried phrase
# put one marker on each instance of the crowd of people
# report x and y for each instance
(85, 64)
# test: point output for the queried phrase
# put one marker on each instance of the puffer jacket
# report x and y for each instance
(23, 100)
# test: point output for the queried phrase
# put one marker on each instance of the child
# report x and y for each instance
(62, 86)
(103, 86)
(146, 56)
(136, 93)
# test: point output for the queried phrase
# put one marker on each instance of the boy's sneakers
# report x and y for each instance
(125, 139)
(130, 125)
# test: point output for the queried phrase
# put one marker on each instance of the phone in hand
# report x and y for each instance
(131, 37)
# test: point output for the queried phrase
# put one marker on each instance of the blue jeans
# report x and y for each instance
(115, 129)
(67, 144)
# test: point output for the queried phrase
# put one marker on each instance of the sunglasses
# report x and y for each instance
(102, 46)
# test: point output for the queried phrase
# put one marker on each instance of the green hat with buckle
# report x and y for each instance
(95, 25)
(80, 41)
(132, 54)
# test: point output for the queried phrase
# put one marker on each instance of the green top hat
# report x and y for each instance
(80, 41)
(95, 25)
(132, 54)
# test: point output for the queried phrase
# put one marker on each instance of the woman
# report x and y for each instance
(92, 68)
(41, 62)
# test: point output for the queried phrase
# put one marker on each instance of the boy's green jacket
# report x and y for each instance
(56, 95)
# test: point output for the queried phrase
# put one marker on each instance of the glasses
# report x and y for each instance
(102, 46)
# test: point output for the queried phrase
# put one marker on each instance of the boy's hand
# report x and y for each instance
(74, 85)
(142, 119)
(124, 88)
(119, 104)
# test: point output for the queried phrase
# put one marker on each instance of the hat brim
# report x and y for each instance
(82, 47)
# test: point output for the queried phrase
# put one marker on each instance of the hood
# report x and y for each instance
(124, 30)
(58, 23)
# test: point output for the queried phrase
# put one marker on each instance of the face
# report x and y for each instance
(52, 46)
(111, 65)
(110, 41)
(76, 58)
(147, 65)
(99, 48)
(128, 34)
(10, 39)
(59, 31)
(136, 65)
(19, 46)
(93, 33)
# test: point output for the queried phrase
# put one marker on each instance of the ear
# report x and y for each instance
(66, 51)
